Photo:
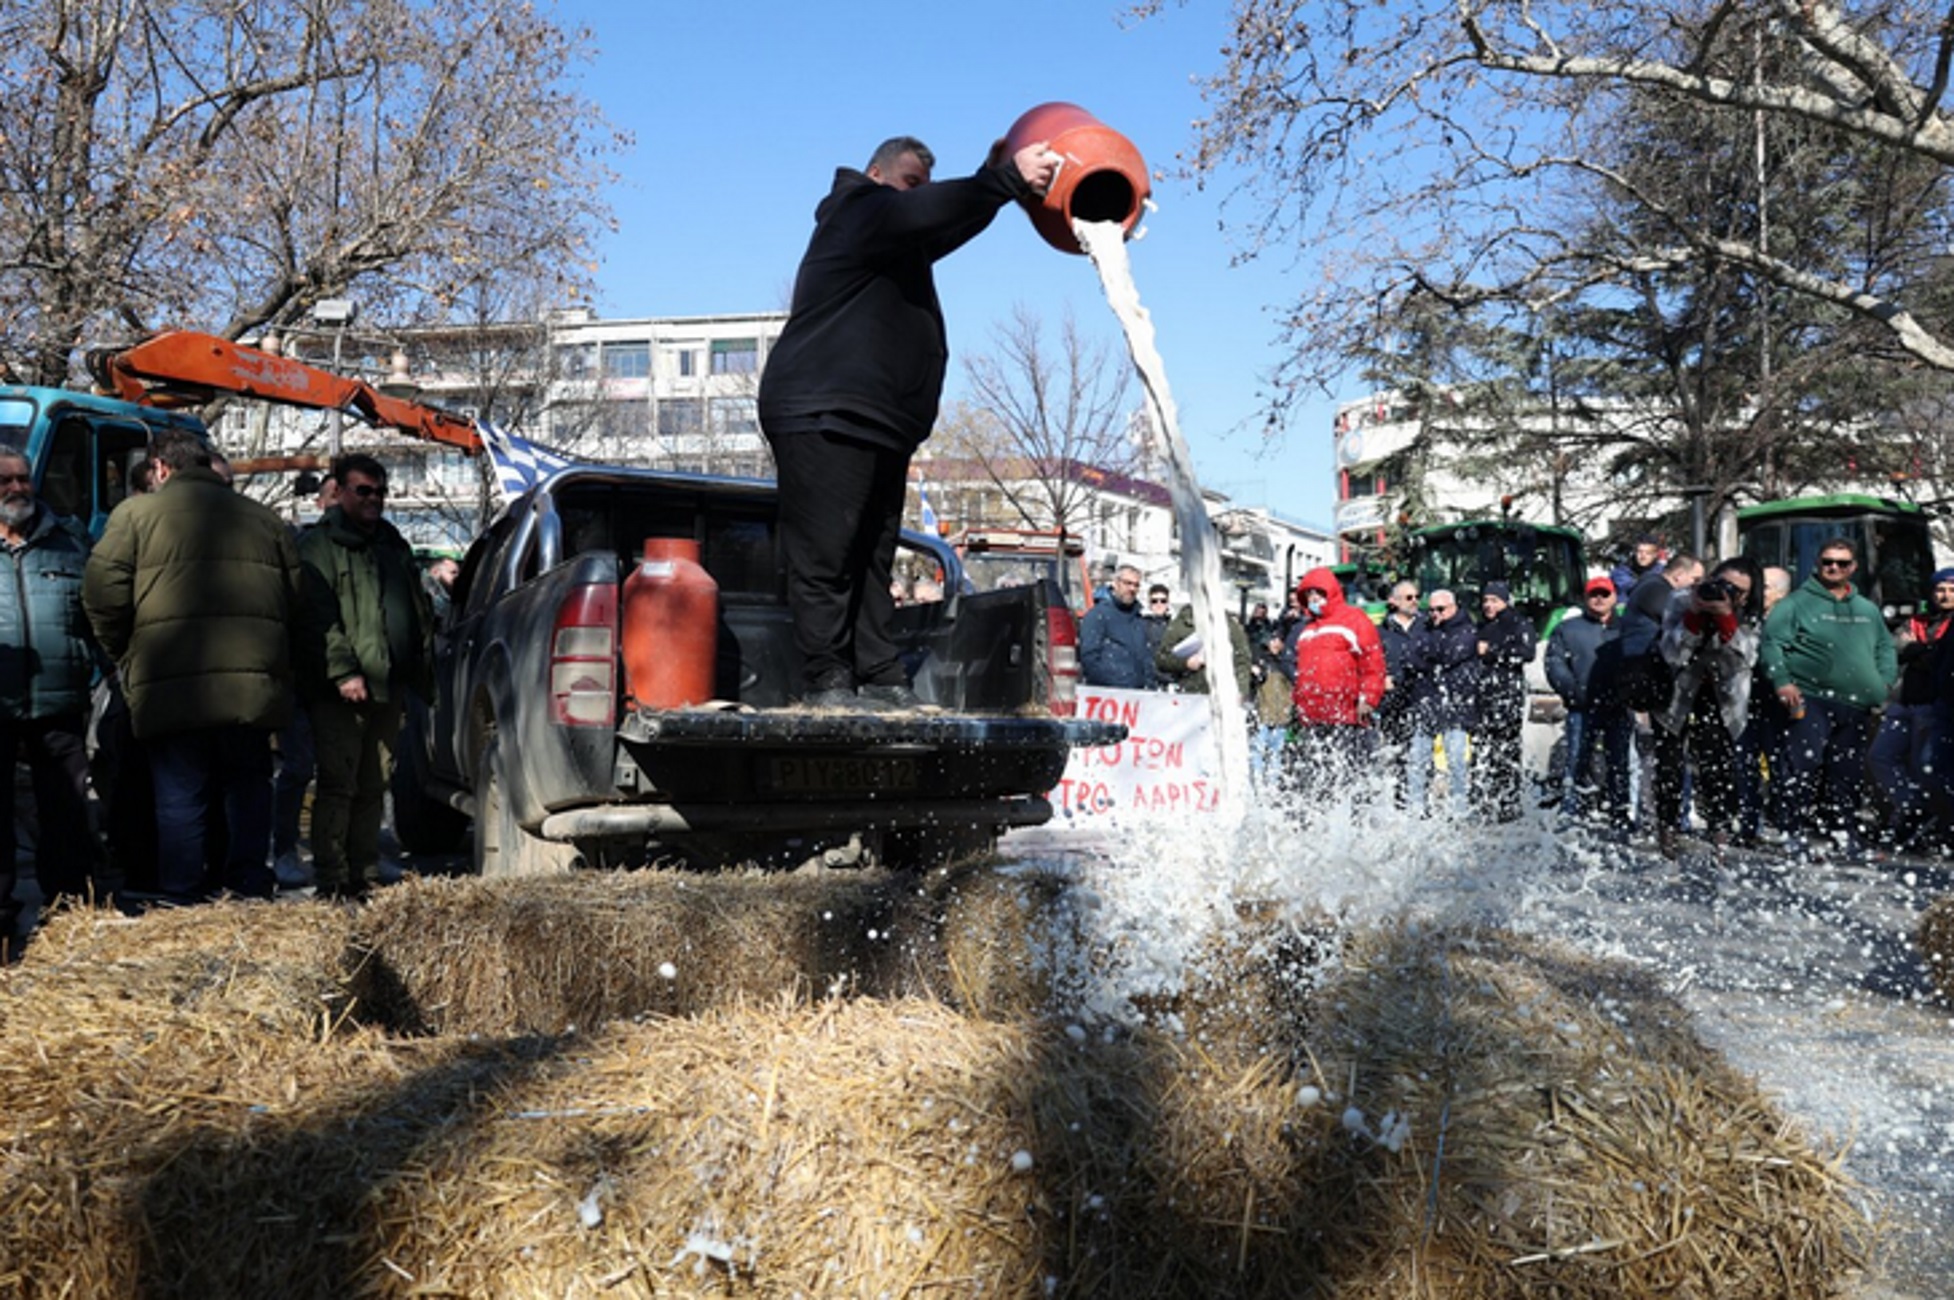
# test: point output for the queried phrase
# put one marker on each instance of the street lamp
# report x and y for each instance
(338, 313)
(400, 377)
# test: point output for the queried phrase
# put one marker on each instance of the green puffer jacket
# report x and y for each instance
(193, 590)
(365, 591)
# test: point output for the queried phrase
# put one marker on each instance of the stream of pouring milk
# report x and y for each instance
(1105, 243)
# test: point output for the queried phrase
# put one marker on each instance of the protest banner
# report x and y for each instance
(1165, 768)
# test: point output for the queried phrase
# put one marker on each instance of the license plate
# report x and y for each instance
(841, 775)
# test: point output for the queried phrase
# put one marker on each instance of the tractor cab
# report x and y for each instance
(1544, 565)
(1893, 538)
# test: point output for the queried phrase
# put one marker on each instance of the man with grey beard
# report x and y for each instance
(46, 659)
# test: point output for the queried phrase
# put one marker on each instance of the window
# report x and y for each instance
(735, 416)
(623, 421)
(118, 447)
(627, 360)
(735, 356)
(577, 361)
(680, 417)
(64, 480)
(16, 422)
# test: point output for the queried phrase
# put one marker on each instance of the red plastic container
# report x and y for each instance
(1102, 178)
(671, 627)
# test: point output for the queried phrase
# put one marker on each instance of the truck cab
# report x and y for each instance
(82, 445)
(996, 558)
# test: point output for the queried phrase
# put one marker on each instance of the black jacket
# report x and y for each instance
(1402, 664)
(1576, 663)
(864, 339)
(1447, 684)
(1510, 641)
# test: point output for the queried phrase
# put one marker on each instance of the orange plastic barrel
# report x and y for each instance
(671, 627)
(1101, 178)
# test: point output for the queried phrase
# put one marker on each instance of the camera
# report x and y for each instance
(1716, 590)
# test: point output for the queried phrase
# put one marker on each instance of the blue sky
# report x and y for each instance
(742, 112)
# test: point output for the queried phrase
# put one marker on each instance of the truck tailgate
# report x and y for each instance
(909, 730)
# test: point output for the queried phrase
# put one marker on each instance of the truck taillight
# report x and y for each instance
(1062, 659)
(583, 657)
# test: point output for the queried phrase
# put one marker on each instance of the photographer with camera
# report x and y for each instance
(1709, 639)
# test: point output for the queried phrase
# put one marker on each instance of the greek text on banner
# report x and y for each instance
(1165, 767)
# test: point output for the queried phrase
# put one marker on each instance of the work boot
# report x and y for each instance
(890, 698)
(834, 689)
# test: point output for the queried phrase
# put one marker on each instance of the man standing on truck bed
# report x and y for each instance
(851, 389)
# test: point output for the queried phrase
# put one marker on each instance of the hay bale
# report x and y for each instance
(543, 954)
(281, 966)
(1563, 1131)
(1935, 940)
(992, 938)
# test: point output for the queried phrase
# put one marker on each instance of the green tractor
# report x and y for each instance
(1544, 565)
(1894, 540)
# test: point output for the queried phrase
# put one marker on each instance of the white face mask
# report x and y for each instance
(1318, 603)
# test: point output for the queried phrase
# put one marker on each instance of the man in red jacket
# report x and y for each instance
(1336, 660)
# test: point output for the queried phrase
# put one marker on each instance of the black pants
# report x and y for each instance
(1707, 743)
(1320, 759)
(840, 515)
(1826, 753)
(65, 853)
(1496, 763)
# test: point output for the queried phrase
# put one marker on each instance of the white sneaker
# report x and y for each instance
(291, 871)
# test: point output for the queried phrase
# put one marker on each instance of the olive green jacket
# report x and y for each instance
(1174, 672)
(193, 591)
(365, 597)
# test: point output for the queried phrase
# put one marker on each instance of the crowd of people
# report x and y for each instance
(1715, 702)
(226, 661)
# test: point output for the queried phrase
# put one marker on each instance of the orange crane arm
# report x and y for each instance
(183, 368)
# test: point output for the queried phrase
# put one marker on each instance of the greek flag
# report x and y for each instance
(519, 463)
(923, 503)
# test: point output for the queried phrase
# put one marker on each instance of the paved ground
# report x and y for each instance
(1805, 975)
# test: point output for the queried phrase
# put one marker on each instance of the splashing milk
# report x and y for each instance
(1105, 243)
(1147, 897)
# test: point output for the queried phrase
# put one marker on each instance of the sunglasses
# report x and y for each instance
(1601, 595)
(365, 490)
(15, 478)
(1825, 563)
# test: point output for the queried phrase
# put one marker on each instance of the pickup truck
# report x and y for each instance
(529, 732)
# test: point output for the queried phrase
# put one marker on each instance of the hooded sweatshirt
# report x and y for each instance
(1830, 649)
(864, 348)
(1339, 658)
